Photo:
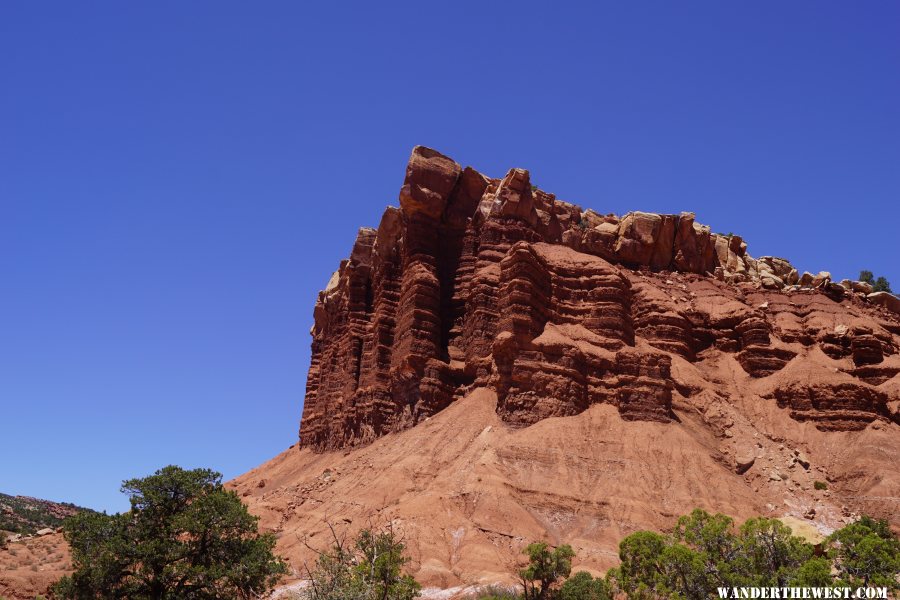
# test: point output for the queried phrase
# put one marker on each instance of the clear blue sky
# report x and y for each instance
(179, 179)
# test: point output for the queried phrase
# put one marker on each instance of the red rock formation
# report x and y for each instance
(574, 376)
(493, 283)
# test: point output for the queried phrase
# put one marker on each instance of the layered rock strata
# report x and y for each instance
(480, 282)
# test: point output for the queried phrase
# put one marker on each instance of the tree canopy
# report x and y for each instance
(865, 553)
(184, 537)
(707, 551)
(583, 586)
(545, 568)
(881, 284)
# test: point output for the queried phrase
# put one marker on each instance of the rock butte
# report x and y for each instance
(492, 366)
(478, 282)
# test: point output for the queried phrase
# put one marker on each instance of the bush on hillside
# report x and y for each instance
(370, 567)
(184, 537)
(708, 551)
(866, 553)
(705, 552)
(545, 568)
(582, 586)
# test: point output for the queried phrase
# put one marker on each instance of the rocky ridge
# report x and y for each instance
(476, 282)
(24, 515)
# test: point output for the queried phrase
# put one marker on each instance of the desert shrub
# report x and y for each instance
(816, 572)
(184, 537)
(582, 586)
(368, 568)
(820, 485)
(545, 568)
(705, 551)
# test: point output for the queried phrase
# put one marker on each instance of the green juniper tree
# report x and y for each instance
(640, 573)
(184, 537)
(545, 568)
(882, 285)
(769, 554)
(706, 552)
(582, 586)
(878, 285)
(815, 572)
(865, 553)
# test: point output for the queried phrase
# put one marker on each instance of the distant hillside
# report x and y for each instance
(22, 514)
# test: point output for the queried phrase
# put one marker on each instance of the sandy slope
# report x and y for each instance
(29, 567)
(468, 492)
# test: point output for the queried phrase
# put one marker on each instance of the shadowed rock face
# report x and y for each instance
(479, 282)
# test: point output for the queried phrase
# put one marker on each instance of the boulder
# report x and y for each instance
(743, 460)
(778, 268)
(514, 197)
(835, 291)
(885, 299)
(861, 287)
(637, 236)
(770, 281)
(821, 280)
(430, 177)
(601, 240)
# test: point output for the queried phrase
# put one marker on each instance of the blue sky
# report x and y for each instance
(178, 180)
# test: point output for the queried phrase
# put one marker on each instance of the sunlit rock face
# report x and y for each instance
(479, 282)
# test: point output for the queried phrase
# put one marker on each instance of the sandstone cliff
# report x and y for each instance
(492, 366)
(478, 282)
